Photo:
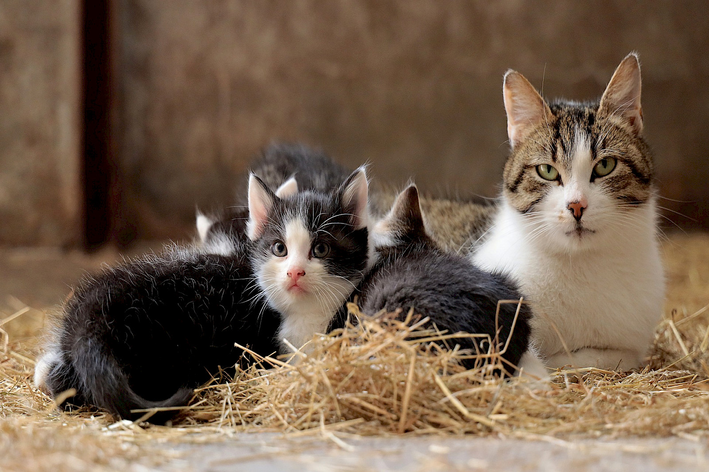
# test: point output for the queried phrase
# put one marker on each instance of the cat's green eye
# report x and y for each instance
(279, 249)
(604, 167)
(547, 172)
(321, 250)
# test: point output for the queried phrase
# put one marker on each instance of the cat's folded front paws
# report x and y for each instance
(620, 360)
(532, 369)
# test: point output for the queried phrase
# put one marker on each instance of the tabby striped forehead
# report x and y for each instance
(573, 133)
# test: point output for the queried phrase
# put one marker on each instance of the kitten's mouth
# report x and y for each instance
(296, 289)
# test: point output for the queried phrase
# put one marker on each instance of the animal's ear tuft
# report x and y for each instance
(204, 223)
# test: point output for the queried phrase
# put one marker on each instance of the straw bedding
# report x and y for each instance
(384, 377)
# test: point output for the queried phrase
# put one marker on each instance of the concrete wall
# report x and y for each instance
(412, 86)
(39, 122)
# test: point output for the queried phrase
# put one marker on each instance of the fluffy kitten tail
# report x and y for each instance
(98, 381)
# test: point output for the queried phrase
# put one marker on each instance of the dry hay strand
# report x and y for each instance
(378, 377)
(384, 377)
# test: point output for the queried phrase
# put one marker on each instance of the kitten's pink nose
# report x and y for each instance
(577, 209)
(295, 273)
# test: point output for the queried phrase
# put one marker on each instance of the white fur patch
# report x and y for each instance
(603, 293)
(305, 313)
(532, 366)
(203, 225)
(219, 244)
(44, 365)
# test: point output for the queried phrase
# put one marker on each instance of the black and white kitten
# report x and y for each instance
(309, 263)
(322, 233)
(278, 167)
(146, 333)
(412, 271)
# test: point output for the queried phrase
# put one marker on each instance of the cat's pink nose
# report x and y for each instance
(577, 208)
(295, 273)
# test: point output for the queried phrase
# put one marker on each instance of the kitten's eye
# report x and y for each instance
(279, 249)
(321, 250)
(547, 172)
(604, 167)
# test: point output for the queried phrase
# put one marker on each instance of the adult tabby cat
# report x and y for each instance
(577, 224)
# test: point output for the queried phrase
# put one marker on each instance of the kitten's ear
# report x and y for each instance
(406, 212)
(404, 222)
(204, 223)
(287, 188)
(261, 200)
(354, 194)
(622, 95)
(524, 106)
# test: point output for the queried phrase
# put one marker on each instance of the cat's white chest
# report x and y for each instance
(605, 299)
(299, 325)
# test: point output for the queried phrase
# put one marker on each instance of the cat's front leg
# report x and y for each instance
(610, 359)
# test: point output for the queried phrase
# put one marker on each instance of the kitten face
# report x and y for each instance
(577, 171)
(311, 249)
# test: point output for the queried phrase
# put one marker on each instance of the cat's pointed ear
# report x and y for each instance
(204, 223)
(406, 212)
(355, 194)
(524, 106)
(622, 95)
(261, 200)
(404, 222)
(287, 188)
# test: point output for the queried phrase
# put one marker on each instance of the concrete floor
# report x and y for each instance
(260, 453)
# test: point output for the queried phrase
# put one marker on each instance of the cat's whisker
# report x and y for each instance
(693, 202)
(677, 213)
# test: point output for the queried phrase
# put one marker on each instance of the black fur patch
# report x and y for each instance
(145, 333)
(447, 288)
(328, 222)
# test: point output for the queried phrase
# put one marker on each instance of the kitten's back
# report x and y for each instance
(312, 168)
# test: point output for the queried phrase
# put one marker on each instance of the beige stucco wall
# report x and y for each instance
(39, 122)
(412, 86)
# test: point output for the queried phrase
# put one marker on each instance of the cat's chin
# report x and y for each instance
(578, 239)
